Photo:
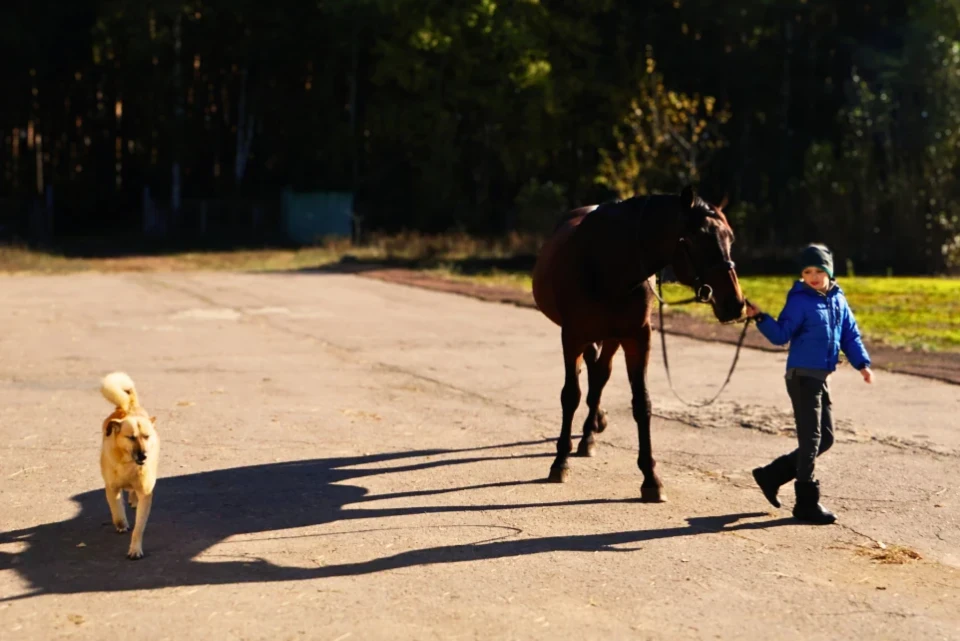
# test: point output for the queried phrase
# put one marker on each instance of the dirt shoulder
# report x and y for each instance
(934, 365)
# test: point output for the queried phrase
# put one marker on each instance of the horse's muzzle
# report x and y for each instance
(732, 312)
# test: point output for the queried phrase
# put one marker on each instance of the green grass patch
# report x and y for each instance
(916, 313)
(491, 278)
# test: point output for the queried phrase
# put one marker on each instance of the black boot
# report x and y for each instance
(808, 506)
(772, 476)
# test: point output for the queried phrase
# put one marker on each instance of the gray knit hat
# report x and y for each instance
(819, 256)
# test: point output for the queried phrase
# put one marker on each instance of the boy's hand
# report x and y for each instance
(867, 375)
(752, 310)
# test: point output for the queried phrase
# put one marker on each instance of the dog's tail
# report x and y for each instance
(118, 388)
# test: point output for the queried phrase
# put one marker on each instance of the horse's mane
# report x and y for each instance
(700, 205)
(636, 205)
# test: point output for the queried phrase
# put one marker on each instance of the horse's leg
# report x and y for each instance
(569, 400)
(637, 353)
(599, 366)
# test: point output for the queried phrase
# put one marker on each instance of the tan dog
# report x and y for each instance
(128, 457)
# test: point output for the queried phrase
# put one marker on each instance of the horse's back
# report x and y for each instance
(573, 217)
(554, 260)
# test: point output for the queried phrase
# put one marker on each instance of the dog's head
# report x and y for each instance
(132, 436)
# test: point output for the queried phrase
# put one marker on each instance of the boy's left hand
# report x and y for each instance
(867, 375)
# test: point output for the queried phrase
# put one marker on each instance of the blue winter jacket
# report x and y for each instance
(817, 325)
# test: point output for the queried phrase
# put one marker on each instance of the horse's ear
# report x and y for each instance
(723, 203)
(687, 197)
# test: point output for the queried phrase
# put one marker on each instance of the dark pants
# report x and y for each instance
(811, 409)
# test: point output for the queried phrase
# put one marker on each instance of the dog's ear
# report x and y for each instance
(153, 420)
(113, 425)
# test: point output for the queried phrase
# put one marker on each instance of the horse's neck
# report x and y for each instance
(630, 242)
(659, 226)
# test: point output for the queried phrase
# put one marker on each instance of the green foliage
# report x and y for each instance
(664, 140)
(539, 206)
(821, 120)
(889, 189)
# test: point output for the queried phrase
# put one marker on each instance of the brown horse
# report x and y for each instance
(592, 279)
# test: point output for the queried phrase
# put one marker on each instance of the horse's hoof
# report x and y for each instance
(558, 474)
(652, 495)
(601, 422)
(587, 449)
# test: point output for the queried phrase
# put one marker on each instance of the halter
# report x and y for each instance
(703, 294)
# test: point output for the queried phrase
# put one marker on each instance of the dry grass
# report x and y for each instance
(420, 250)
(889, 554)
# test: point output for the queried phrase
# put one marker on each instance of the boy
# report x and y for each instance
(818, 323)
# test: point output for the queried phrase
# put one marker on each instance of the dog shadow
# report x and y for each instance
(195, 512)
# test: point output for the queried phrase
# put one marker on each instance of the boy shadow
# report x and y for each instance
(194, 512)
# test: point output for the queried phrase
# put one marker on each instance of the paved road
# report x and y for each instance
(349, 459)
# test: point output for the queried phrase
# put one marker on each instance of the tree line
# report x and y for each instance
(836, 121)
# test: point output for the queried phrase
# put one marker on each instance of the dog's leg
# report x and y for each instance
(132, 499)
(136, 541)
(117, 512)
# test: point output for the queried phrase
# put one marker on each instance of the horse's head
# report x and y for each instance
(702, 258)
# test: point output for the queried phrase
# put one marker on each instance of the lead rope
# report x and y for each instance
(663, 343)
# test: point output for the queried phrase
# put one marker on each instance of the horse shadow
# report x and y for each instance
(194, 512)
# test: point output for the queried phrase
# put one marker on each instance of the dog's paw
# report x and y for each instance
(121, 527)
(135, 554)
